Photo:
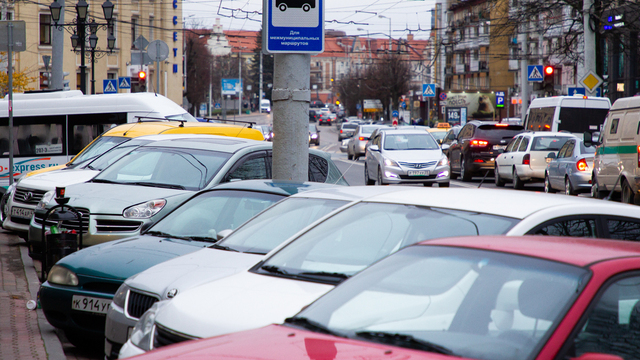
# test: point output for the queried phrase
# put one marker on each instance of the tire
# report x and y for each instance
(380, 181)
(627, 196)
(498, 180)
(568, 189)
(452, 175)
(282, 7)
(547, 185)
(443, 184)
(465, 174)
(517, 183)
(306, 7)
(367, 180)
(595, 189)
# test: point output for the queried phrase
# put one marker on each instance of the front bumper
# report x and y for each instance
(17, 220)
(129, 350)
(400, 175)
(56, 301)
(117, 330)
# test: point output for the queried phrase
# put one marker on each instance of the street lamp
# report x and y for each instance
(384, 17)
(79, 35)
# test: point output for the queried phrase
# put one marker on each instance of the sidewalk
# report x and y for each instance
(24, 333)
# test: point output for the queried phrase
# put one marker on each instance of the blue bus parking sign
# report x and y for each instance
(293, 26)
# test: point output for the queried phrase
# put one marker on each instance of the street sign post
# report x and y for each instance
(576, 91)
(534, 73)
(294, 27)
(109, 86)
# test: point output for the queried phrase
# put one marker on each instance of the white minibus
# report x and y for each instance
(49, 128)
(573, 114)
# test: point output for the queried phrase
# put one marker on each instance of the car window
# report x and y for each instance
(513, 144)
(570, 147)
(210, 212)
(548, 143)
(613, 325)
(465, 132)
(577, 227)
(99, 146)
(563, 151)
(318, 168)
(623, 229)
(524, 143)
(253, 167)
(614, 126)
(587, 149)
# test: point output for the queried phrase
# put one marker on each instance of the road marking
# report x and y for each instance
(352, 162)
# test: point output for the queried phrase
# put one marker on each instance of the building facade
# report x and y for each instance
(152, 19)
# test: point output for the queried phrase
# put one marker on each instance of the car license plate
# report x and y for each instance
(499, 147)
(21, 212)
(418, 172)
(90, 304)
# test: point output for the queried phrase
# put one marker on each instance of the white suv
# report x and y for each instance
(525, 158)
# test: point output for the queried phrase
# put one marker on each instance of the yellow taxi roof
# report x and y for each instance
(174, 127)
(437, 129)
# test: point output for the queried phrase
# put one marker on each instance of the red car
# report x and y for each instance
(488, 297)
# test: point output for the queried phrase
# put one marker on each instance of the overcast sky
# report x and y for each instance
(407, 16)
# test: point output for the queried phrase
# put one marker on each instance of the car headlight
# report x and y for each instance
(314, 136)
(389, 162)
(121, 295)
(142, 333)
(444, 161)
(46, 198)
(62, 276)
(144, 210)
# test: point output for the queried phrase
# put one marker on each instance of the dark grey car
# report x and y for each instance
(571, 170)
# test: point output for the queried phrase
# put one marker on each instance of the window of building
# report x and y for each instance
(151, 29)
(134, 32)
(9, 16)
(45, 29)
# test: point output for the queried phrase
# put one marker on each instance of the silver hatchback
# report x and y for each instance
(397, 156)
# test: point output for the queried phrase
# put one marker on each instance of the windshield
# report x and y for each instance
(410, 142)
(269, 229)
(202, 217)
(186, 169)
(98, 147)
(183, 116)
(349, 126)
(364, 233)
(367, 130)
(438, 135)
(548, 143)
(464, 302)
(102, 161)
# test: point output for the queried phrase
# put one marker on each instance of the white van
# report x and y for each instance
(265, 106)
(574, 114)
(617, 161)
(50, 128)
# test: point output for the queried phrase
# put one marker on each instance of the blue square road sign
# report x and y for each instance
(429, 90)
(110, 86)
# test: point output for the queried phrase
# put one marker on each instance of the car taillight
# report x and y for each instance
(639, 155)
(340, 131)
(526, 160)
(362, 138)
(582, 165)
(479, 143)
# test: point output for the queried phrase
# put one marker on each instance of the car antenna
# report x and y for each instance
(484, 177)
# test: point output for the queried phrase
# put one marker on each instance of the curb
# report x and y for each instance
(52, 344)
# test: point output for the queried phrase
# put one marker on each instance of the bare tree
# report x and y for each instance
(198, 69)
(388, 78)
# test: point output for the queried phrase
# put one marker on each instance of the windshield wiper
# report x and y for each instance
(311, 325)
(273, 269)
(203, 238)
(105, 181)
(164, 234)
(323, 274)
(403, 340)
(166, 186)
(222, 247)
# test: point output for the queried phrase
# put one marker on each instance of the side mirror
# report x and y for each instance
(445, 146)
(223, 234)
(374, 148)
(587, 139)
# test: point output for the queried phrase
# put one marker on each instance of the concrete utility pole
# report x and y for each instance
(589, 63)
(524, 76)
(291, 97)
(260, 87)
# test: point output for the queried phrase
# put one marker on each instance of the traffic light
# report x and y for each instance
(142, 75)
(549, 79)
(139, 82)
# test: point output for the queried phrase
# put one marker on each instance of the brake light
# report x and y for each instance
(362, 138)
(526, 160)
(502, 124)
(340, 131)
(547, 127)
(638, 155)
(478, 161)
(582, 165)
(479, 143)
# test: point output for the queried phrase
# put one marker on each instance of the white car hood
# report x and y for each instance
(414, 155)
(240, 302)
(190, 270)
(49, 180)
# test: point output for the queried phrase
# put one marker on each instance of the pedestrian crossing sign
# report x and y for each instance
(429, 90)
(109, 86)
(124, 82)
(535, 73)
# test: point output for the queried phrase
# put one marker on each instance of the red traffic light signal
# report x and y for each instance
(548, 70)
(142, 75)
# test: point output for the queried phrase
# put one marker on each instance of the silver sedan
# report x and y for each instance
(570, 170)
(397, 156)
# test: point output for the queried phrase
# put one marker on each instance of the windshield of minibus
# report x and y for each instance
(571, 119)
